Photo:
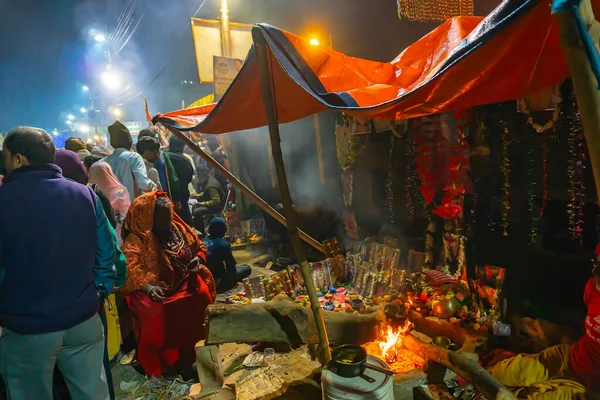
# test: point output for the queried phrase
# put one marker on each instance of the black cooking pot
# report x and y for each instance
(350, 361)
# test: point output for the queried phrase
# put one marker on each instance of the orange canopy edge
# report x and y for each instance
(465, 62)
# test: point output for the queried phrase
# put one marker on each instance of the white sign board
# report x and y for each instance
(225, 71)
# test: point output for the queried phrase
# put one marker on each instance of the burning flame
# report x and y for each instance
(392, 339)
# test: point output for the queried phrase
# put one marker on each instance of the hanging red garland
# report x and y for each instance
(452, 202)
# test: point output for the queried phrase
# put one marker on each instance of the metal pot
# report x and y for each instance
(354, 363)
(446, 308)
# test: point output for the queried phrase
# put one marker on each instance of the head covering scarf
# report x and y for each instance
(119, 135)
(101, 174)
(101, 151)
(139, 239)
(75, 144)
(71, 165)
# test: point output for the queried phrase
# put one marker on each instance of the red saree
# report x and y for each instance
(166, 332)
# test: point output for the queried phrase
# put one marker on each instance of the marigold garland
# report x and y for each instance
(524, 107)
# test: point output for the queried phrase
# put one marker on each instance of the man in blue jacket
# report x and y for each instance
(55, 264)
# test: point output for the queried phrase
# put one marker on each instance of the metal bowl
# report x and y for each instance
(442, 341)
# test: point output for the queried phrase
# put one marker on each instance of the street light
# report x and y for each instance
(71, 117)
(116, 112)
(100, 38)
(111, 80)
(84, 129)
(85, 88)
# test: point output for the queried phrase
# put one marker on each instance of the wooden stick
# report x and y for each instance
(586, 87)
(245, 189)
(462, 365)
(268, 92)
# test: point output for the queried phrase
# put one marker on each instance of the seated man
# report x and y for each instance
(220, 260)
(210, 201)
(557, 370)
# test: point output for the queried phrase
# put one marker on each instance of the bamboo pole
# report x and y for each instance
(245, 189)
(586, 87)
(268, 93)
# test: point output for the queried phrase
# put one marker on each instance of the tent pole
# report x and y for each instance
(245, 189)
(286, 199)
(586, 87)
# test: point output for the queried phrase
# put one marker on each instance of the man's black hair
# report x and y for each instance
(176, 145)
(147, 143)
(91, 160)
(147, 133)
(33, 143)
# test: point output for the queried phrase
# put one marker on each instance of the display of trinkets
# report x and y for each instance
(488, 286)
(279, 283)
(416, 261)
(255, 287)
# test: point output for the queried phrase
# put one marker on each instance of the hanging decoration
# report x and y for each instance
(531, 193)
(506, 177)
(455, 259)
(544, 175)
(426, 146)
(524, 108)
(452, 202)
(409, 177)
(434, 10)
(349, 146)
(389, 184)
(576, 170)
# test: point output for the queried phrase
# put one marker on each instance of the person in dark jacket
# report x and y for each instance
(54, 271)
(185, 173)
(210, 200)
(220, 260)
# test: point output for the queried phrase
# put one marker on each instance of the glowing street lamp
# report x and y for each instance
(100, 38)
(116, 112)
(84, 129)
(111, 80)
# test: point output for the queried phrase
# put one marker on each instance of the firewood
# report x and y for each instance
(464, 364)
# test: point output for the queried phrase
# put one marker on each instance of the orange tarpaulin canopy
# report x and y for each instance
(465, 62)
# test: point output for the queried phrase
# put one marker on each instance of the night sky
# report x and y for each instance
(47, 52)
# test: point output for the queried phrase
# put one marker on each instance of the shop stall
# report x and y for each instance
(408, 306)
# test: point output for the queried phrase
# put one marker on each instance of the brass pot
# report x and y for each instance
(446, 308)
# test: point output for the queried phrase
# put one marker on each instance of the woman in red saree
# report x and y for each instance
(168, 285)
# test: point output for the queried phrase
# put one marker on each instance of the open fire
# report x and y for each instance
(393, 340)
(389, 348)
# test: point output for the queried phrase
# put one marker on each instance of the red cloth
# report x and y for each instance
(167, 332)
(585, 354)
(437, 277)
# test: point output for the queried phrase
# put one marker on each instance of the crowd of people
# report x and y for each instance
(120, 225)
